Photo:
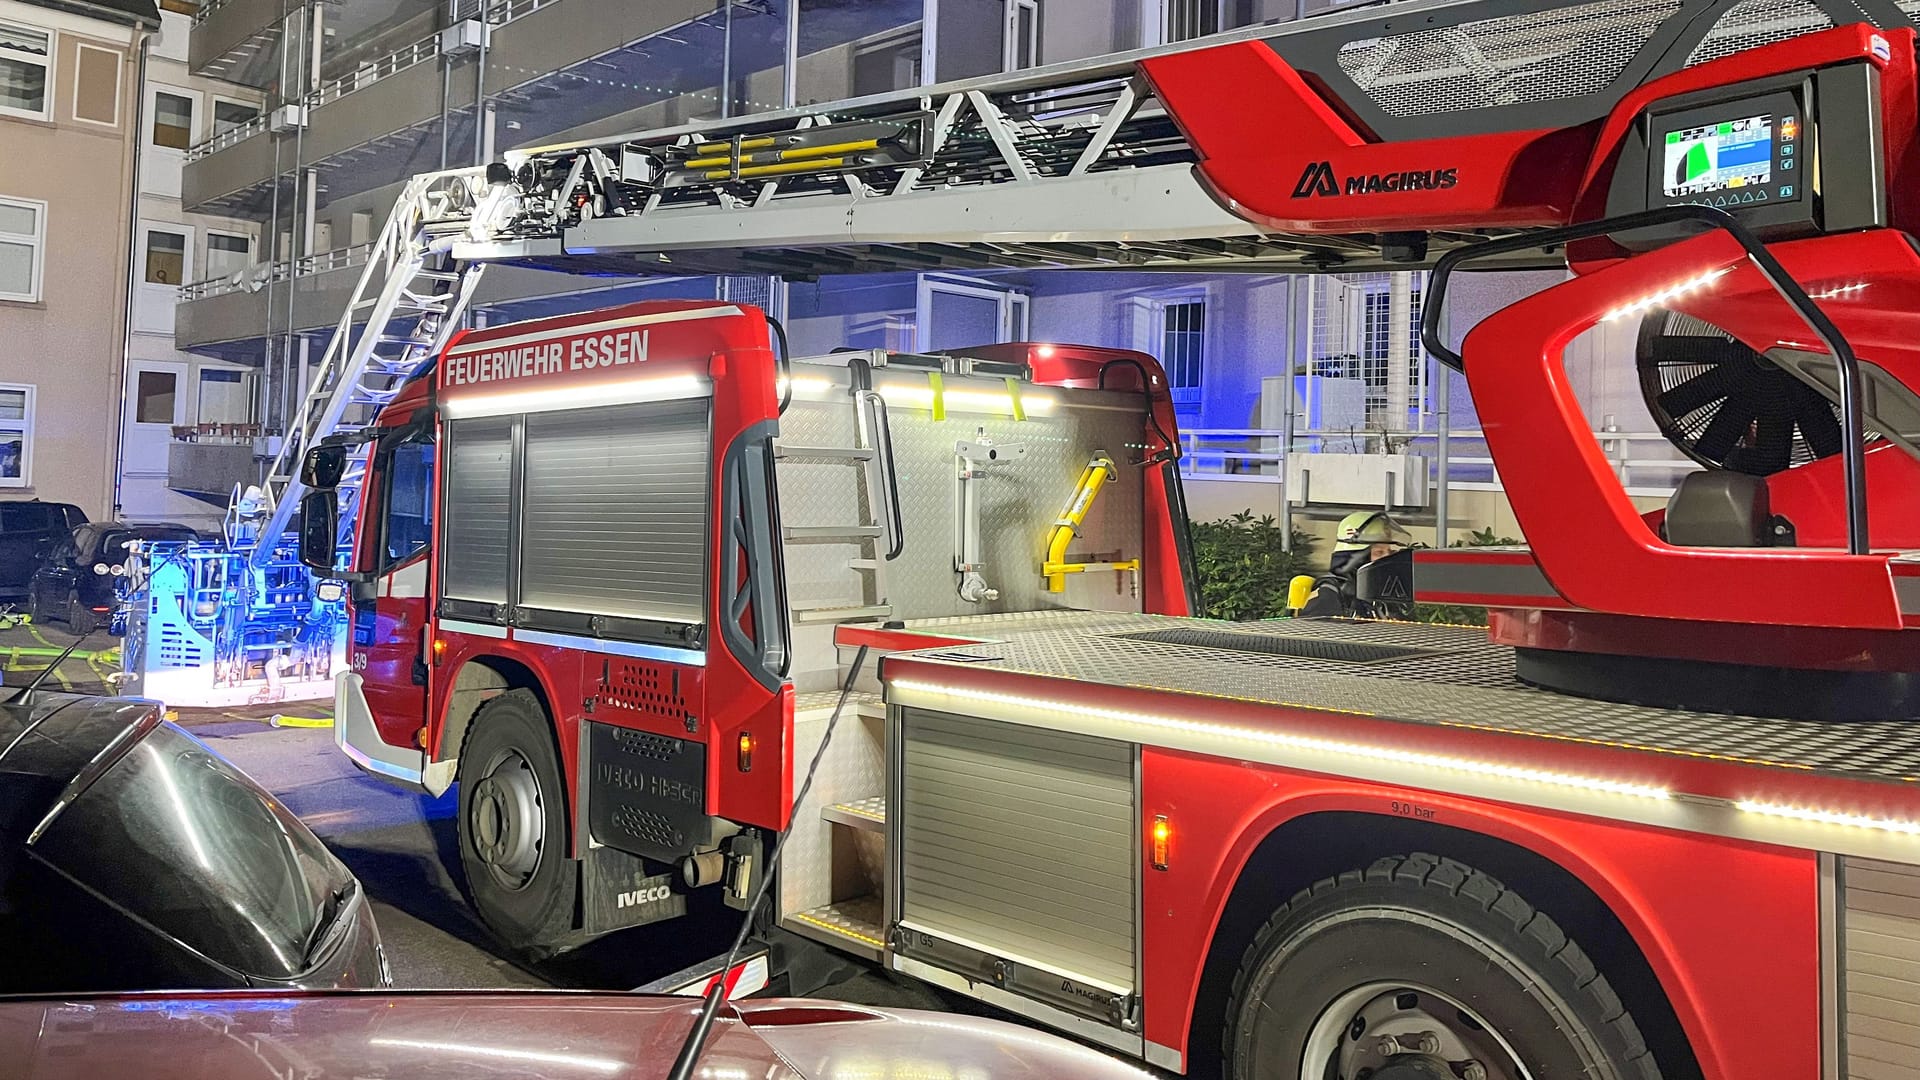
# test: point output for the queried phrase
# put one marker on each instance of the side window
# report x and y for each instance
(407, 525)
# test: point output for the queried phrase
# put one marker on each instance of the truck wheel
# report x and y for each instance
(80, 618)
(513, 827)
(1422, 968)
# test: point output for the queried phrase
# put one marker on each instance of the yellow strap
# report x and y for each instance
(938, 385)
(1013, 395)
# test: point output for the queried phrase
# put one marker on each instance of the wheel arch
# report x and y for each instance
(478, 680)
(1317, 844)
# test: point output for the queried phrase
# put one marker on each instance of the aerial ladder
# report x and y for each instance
(409, 302)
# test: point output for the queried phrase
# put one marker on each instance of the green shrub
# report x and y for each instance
(1244, 568)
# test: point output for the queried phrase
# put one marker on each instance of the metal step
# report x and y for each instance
(849, 454)
(854, 925)
(831, 532)
(868, 814)
(842, 614)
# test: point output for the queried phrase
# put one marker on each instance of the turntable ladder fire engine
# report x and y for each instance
(408, 304)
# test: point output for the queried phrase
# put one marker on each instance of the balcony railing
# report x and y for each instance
(1645, 461)
(372, 72)
(233, 136)
(260, 275)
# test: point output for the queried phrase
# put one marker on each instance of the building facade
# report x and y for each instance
(70, 123)
(170, 392)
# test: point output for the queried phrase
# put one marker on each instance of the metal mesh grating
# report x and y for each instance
(1752, 23)
(1539, 56)
(1350, 652)
(1912, 8)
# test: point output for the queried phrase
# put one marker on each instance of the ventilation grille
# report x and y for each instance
(1752, 23)
(1912, 8)
(1307, 648)
(1539, 56)
(177, 650)
(644, 689)
(1880, 980)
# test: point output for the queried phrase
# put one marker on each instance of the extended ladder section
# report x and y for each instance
(1348, 121)
(408, 304)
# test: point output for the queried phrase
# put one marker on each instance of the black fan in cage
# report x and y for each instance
(1726, 406)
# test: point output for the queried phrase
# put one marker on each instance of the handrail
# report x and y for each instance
(1852, 386)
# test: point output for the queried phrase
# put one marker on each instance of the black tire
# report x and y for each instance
(510, 746)
(37, 612)
(1429, 925)
(80, 618)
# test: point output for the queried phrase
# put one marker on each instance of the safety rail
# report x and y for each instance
(1258, 455)
(233, 136)
(261, 275)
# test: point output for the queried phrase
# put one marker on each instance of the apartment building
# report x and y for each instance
(70, 125)
(169, 392)
(360, 94)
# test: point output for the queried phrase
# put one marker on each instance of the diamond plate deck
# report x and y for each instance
(1459, 680)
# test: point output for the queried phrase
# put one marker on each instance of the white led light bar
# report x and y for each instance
(1831, 817)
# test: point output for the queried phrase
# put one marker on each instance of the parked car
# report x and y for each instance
(28, 528)
(75, 583)
(553, 1035)
(132, 857)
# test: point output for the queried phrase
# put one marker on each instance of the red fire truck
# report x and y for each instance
(610, 569)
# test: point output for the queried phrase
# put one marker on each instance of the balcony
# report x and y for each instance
(548, 66)
(237, 40)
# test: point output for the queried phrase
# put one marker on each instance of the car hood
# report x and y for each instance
(555, 1035)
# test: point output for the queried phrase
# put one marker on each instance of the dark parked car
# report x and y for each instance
(75, 583)
(132, 857)
(27, 530)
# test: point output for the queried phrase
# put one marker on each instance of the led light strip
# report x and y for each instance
(1666, 294)
(1831, 817)
(920, 397)
(628, 392)
(1303, 742)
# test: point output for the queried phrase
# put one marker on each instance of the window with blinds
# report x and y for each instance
(616, 512)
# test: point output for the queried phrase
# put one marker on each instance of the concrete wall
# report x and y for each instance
(68, 345)
(1074, 29)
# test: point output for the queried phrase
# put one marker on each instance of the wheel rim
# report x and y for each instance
(1405, 1031)
(506, 817)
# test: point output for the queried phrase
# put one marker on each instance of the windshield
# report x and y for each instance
(188, 843)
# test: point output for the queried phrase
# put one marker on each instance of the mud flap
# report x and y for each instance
(618, 890)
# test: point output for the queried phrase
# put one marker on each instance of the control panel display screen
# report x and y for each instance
(1730, 155)
(1740, 154)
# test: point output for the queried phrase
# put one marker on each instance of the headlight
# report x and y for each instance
(117, 570)
(329, 591)
(100, 568)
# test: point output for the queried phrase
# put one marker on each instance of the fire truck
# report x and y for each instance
(618, 574)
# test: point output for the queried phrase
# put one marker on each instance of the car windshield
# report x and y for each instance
(26, 517)
(188, 843)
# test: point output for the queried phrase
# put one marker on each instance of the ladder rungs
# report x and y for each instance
(842, 614)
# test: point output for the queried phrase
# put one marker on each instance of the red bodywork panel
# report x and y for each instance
(1295, 164)
(1748, 1012)
(1585, 533)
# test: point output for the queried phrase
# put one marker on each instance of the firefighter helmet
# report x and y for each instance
(1365, 528)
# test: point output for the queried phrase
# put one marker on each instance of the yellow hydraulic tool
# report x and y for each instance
(1098, 473)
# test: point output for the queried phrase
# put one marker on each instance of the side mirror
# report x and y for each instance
(319, 530)
(323, 467)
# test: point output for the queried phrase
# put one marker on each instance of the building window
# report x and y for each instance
(1189, 19)
(172, 120)
(16, 435)
(228, 254)
(228, 115)
(1183, 347)
(23, 233)
(26, 64)
(166, 257)
(154, 395)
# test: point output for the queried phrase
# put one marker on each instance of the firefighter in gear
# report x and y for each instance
(1361, 538)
